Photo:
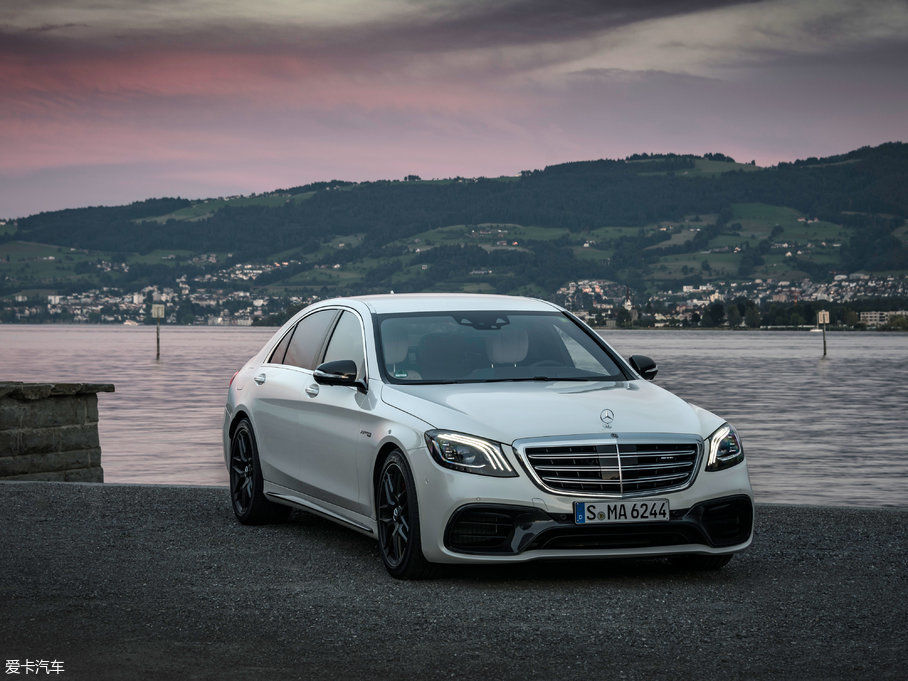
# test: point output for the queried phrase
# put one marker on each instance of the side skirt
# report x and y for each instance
(359, 523)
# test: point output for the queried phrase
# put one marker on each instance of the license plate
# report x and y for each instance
(589, 512)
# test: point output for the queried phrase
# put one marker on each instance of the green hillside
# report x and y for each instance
(651, 222)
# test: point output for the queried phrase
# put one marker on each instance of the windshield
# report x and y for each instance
(476, 347)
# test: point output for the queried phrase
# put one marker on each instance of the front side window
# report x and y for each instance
(347, 342)
(475, 347)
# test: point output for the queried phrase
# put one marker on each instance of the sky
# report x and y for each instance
(105, 102)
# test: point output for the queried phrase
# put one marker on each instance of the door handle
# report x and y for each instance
(312, 390)
(259, 379)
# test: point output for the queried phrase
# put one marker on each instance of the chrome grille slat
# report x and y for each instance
(660, 466)
(657, 478)
(577, 468)
(690, 451)
(569, 456)
(623, 468)
(591, 481)
(588, 485)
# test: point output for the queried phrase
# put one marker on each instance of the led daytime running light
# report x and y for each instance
(492, 453)
(491, 460)
(734, 453)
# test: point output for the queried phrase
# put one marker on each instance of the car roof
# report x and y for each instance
(445, 302)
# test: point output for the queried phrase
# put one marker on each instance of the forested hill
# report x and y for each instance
(626, 214)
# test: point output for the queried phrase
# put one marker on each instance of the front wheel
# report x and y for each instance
(399, 538)
(246, 496)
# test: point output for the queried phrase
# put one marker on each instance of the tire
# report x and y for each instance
(700, 562)
(399, 538)
(246, 496)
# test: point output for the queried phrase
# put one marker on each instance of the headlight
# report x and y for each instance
(468, 454)
(725, 449)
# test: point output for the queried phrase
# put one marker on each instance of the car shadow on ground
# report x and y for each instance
(351, 547)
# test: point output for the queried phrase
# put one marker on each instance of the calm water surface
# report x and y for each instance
(816, 431)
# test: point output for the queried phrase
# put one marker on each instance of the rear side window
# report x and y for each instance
(277, 357)
(307, 339)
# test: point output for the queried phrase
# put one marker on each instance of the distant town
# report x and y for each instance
(224, 297)
(608, 304)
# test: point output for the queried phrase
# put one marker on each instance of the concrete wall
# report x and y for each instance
(49, 431)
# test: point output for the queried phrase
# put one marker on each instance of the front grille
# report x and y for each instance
(614, 468)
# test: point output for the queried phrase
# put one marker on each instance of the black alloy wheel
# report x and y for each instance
(246, 496)
(398, 521)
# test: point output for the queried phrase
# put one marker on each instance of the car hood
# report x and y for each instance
(510, 411)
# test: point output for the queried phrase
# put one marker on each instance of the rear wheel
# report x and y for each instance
(700, 562)
(246, 496)
(399, 537)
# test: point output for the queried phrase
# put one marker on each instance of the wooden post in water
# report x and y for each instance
(157, 313)
(823, 318)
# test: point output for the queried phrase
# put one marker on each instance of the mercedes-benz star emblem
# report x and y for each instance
(607, 417)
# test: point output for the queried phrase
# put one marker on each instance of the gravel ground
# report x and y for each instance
(160, 582)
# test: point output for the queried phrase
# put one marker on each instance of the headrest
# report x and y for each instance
(396, 345)
(507, 345)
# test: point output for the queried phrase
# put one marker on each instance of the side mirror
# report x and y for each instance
(340, 372)
(644, 366)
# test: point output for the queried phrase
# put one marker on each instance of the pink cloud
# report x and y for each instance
(232, 106)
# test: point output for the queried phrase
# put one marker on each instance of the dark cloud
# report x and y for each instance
(47, 28)
(434, 27)
(526, 22)
(624, 76)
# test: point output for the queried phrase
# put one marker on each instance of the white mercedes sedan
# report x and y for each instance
(479, 429)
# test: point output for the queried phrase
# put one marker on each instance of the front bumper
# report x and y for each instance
(486, 529)
(528, 523)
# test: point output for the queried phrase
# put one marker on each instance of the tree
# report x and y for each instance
(896, 323)
(750, 260)
(734, 315)
(714, 314)
(185, 312)
(752, 317)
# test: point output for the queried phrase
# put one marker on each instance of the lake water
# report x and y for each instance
(815, 431)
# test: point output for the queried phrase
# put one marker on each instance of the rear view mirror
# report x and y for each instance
(644, 366)
(340, 372)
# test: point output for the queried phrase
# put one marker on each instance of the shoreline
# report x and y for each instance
(115, 325)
